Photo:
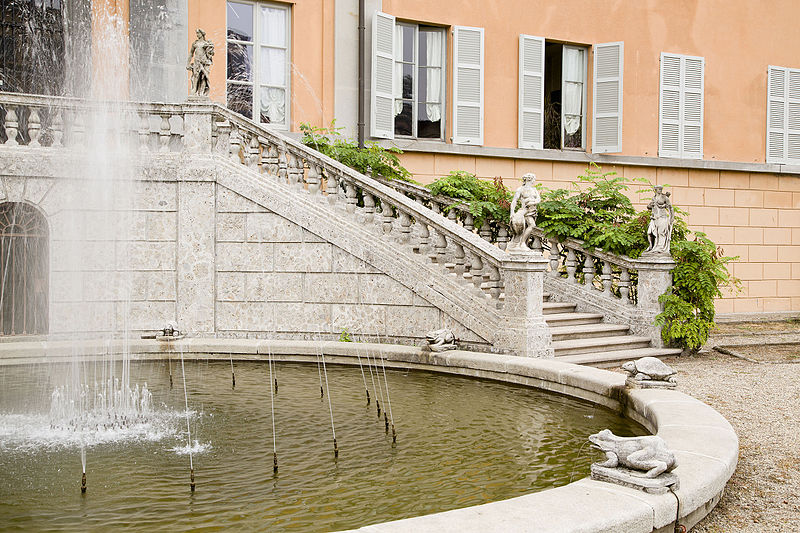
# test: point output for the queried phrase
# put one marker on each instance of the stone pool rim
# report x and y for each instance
(704, 442)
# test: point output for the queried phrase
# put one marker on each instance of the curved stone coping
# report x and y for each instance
(704, 442)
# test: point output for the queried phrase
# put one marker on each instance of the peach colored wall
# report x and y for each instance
(110, 71)
(753, 216)
(738, 38)
(312, 42)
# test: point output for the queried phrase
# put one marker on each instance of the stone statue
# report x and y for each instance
(650, 372)
(203, 52)
(524, 220)
(662, 217)
(648, 456)
(441, 339)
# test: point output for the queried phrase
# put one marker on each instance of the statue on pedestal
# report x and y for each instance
(524, 220)
(203, 52)
(662, 218)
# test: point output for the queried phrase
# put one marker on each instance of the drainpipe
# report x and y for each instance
(362, 50)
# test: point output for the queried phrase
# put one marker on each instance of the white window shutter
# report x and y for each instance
(382, 116)
(692, 142)
(531, 92)
(793, 117)
(607, 98)
(776, 114)
(468, 85)
(669, 107)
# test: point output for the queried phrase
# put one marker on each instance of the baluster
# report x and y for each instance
(423, 237)
(606, 277)
(458, 260)
(387, 218)
(180, 132)
(58, 129)
(12, 126)
(502, 237)
(144, 132)
(476, 270)
(165, 132)
(439, 248)
(332, 186)
(282, 167)
(494, 282)
(214, 134)
(78, 129)
(299, 172)
(554, 258)
(625, 286)
(405, 227)
(469, 222)
(435, 207)
(571, 264)
(34, 127)
(269, 158)
(351, 197)
(485, 231)
(588, 271)
(452, 215)
(235, 142)
(252, 153)
(369, 208)
(313, 179)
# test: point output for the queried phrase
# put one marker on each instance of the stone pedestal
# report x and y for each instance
(633, 479)
(655, 277)
(525, 333)
(197, 126)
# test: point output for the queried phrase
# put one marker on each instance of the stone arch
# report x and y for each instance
(24, 269)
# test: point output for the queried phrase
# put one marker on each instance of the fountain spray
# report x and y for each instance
(272, 410)
(188, 430)
(83, 467)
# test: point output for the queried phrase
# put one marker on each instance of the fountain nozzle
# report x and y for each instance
(394, 435)
(275, 462)
(83, 483)
(386, 421)
(335, 449)
(191, 479)
(367, 396)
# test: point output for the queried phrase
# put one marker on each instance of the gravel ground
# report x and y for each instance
(762, 402)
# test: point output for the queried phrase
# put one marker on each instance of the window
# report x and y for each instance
(419, 88)
(783, 115)
(258, 61)
(680, 110)
(408, 80)
(564, 96)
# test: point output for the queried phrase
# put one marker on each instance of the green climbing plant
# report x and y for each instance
(372, 158)
(485, 200)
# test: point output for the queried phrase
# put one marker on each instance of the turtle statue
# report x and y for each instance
(650, 371)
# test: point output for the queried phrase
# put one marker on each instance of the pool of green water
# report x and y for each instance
(460, 442)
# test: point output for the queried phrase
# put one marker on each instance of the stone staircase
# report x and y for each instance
(583, 338)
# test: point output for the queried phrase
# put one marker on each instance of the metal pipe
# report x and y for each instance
(362, 51)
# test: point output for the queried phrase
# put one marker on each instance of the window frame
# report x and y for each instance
(414, 88)
(256, 84)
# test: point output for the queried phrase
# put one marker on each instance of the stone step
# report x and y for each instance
(599, 344)
(550, 308)
(555, 320)
(587, 331)
(617, 357)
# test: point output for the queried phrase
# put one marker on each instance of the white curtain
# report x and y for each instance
(273, 104)
(398, 69)
(435, 49)
(273, 66)
(273, 26)
(571, 104)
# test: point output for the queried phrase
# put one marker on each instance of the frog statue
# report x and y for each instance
(648, 455)
(441, 340)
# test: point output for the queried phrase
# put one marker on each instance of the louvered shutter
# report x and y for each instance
(793, 118)
(680, 110)
(692, 142)
(607, 98)
(776, 114)
(669, 109)
(531, 91)
(468, 85)
(382, 116)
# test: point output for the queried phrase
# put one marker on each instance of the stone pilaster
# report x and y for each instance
(525, 332)
(196, 257)
(655, 277)
(197, 128)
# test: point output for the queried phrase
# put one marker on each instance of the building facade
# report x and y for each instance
(701, 96)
